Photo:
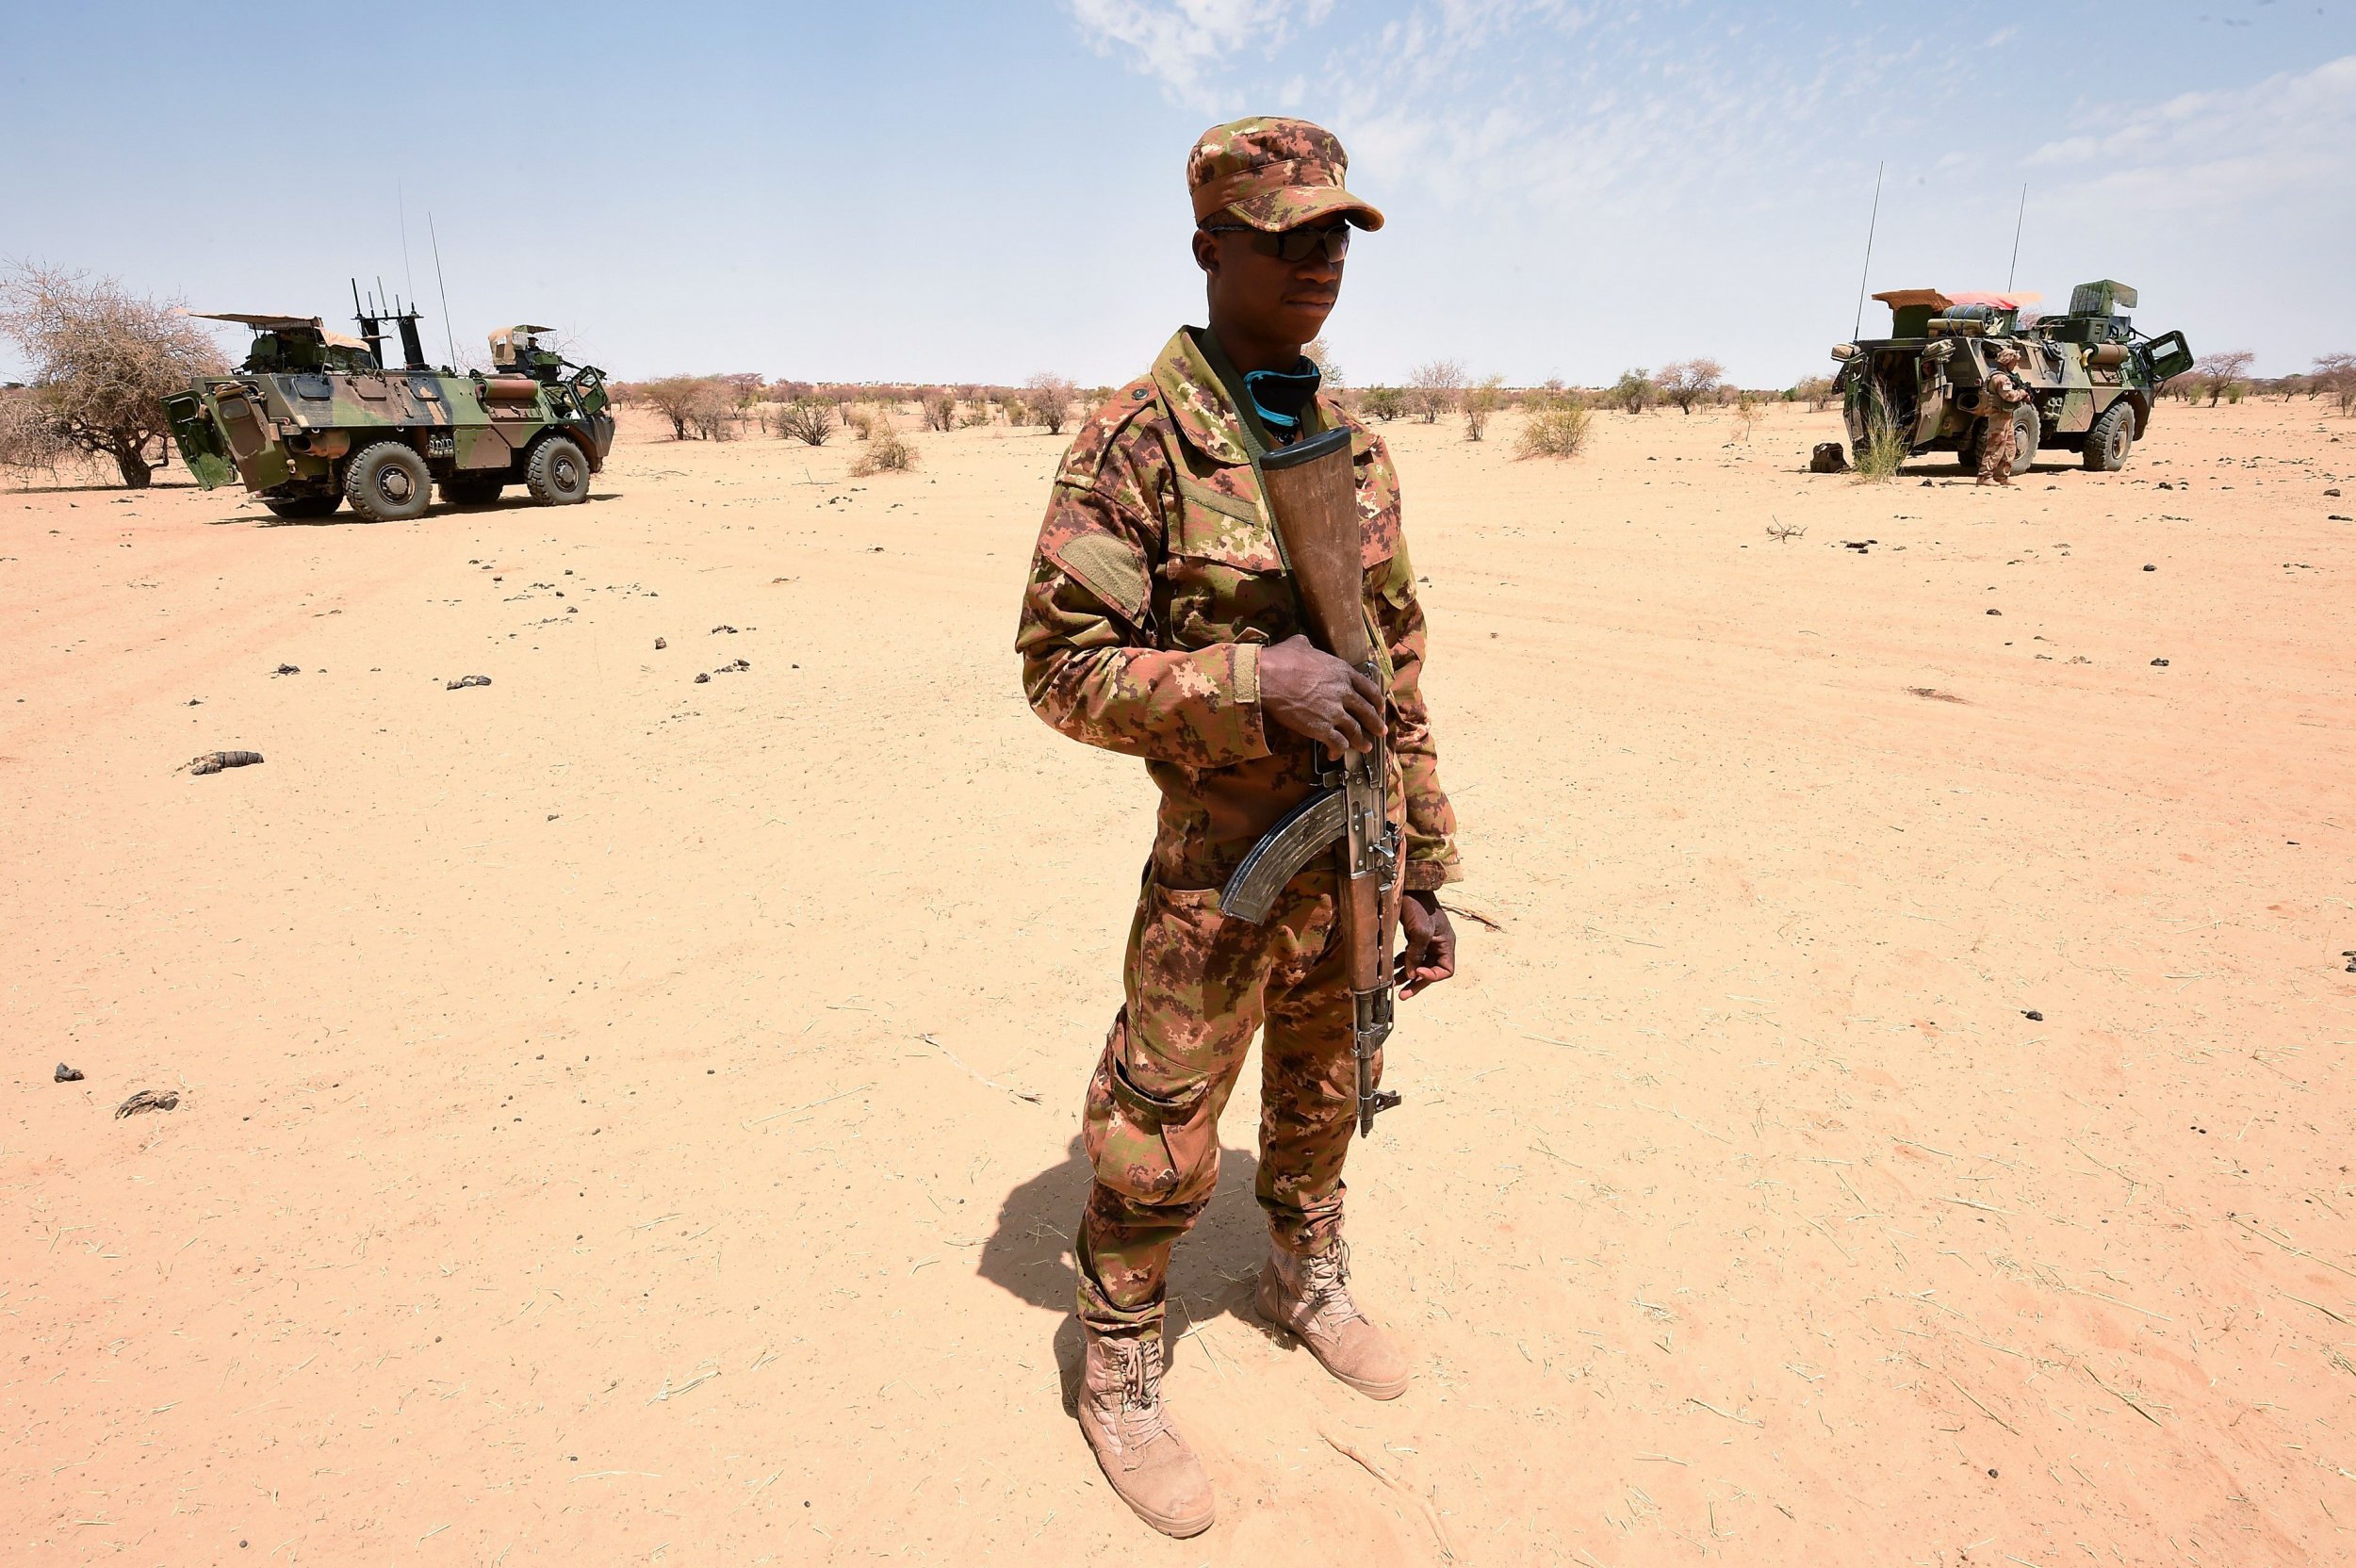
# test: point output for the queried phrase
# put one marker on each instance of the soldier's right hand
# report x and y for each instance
(1311, 693)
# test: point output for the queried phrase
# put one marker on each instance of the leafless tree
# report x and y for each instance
(2219, 373)
(102, 360)
(2336, 374)
(1047, 399)
(1434, 388)
(1321, 354)
(808, 420)
(678, 398)
(30, 440)
(1687, 382)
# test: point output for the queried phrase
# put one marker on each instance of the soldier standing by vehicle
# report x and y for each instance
(1999, 396)
(1159, 622)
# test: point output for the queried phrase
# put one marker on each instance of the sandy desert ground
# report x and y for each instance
(625, 1120)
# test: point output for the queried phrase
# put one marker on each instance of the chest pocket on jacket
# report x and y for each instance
(1226, 578)
(1226, 575)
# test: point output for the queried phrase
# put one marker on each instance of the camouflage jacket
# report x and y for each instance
(1156, 582)
(2004, 392)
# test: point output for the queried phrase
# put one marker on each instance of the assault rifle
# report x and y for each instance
(1314, 501)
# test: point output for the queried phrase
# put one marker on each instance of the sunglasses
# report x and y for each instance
(1293, 245)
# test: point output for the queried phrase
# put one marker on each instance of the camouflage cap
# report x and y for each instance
(1273, 174)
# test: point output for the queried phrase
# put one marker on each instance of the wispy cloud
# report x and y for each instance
(1183, 43)
(2291, 134)
(1653, 154)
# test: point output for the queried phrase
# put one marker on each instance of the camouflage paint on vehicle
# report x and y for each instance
(288, 422)
(2090, 376)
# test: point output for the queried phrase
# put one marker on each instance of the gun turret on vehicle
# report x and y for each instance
(314, 418)
(2089, 374)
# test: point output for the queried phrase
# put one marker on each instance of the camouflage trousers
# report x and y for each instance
(1198, 986)
(1998, 450)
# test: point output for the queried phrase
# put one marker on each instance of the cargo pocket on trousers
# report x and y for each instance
(1145, 1147)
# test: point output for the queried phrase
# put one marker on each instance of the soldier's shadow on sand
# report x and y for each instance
(1213, 1273)
(345, 517)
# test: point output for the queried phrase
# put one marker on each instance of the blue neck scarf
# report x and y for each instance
(1281, 396)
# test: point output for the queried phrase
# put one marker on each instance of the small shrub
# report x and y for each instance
(805, 419)
(1479, 402)
(864, 421)
(1382, 402)
(1555, 429)
(940, 409)
(1879, 454)
(1047, 401)
(1747, 412)
(1632, 391)
(888, 452)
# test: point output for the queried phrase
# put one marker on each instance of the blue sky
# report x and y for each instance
(978, 191)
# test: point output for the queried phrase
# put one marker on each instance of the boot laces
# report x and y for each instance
(1326, 1277)
(1140, 1390)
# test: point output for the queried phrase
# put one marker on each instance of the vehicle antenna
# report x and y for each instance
(408, 273)
(444, 290)
(1871, 223)
(2016, 237)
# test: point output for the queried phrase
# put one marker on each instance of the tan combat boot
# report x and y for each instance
(1309, 1294)
(1120, 1415)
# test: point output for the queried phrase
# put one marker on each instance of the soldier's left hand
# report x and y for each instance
(1428, 956)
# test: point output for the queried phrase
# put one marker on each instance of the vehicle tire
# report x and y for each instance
(471, 490)
(2028, 432)
(304, 506)
(1968, 450)
(558, 474)
(2111, 439)
(388, 483)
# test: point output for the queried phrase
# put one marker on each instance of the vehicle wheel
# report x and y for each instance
(304, 506)
(388, 483)
(471, 490)
(558, 474)
(2028, 430)
(1968, 451)
(2111, 439)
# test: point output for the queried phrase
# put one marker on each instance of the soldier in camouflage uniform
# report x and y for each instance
(2001, 394)
(1158, 622)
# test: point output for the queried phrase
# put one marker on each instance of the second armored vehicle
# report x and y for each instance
(315, 418)
(2090, 376)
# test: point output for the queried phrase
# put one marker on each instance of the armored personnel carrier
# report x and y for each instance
(2090, 376)
(314, 418)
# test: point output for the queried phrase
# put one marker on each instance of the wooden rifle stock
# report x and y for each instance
(1313, 497)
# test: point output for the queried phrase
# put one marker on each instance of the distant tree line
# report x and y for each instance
(101, 359)
(723, 407)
